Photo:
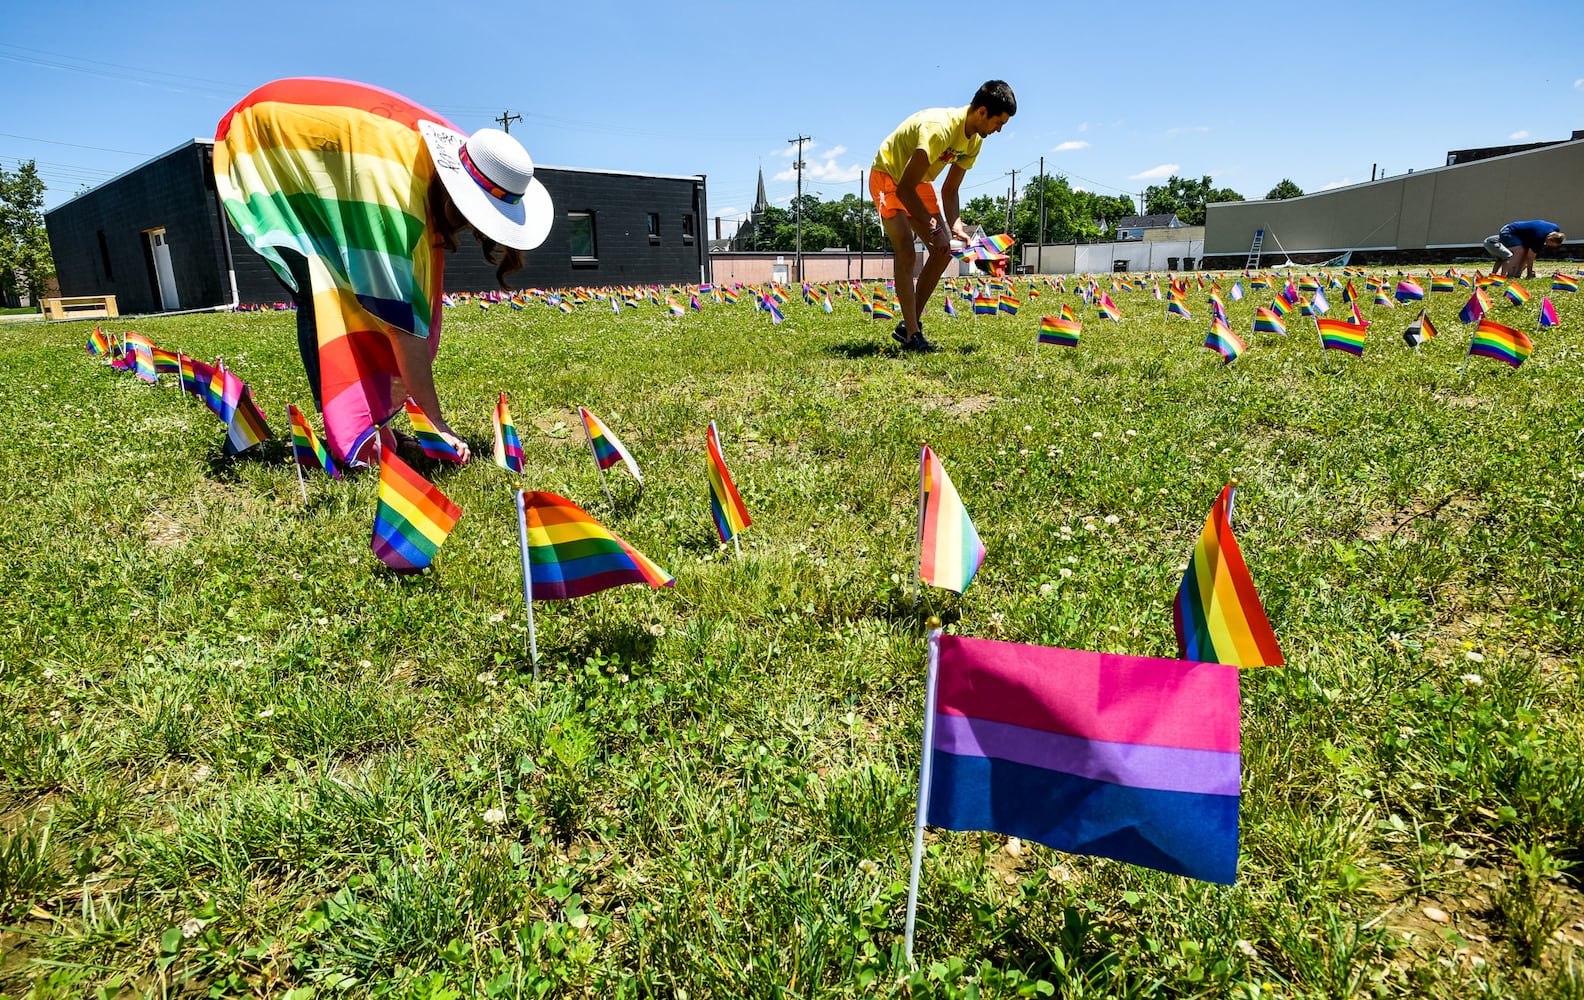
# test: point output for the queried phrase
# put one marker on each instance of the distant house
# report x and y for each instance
(1133, 227)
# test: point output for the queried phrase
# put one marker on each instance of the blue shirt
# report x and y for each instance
(1530, 235)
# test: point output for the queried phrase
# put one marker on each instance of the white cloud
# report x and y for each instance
(1172, 133)
(1578, 84)
(1084, 126)
(1079, 187)
(1069, 145)
(729, 212)
(1344, 182)
(1157, 173)
(822, 167)
(1522, 133)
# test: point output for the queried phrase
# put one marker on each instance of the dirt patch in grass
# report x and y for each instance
(962, 409)
(560, 426)
(1403, 524)
(164, 532)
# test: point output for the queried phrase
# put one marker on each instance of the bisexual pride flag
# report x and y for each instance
(1548, 315)
(1124, 757)
(1409, 290)
(1475, 308)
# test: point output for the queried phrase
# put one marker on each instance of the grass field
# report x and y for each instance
(237, 758)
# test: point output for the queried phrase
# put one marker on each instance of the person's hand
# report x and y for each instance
(960, 232)
(940, 240)
(457, 443)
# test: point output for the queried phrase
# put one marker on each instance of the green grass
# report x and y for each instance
(238, 758)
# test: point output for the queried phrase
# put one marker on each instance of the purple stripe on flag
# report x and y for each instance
(1135, 765)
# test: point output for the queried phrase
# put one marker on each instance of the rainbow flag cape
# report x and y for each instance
(1223, 341)
(1217, 615)
(1420, 330)
(1516, 294)
(726, 506)
(571, 555)
(1409, 290)
(1563, 282)
(949, 548)
(1268, 321)
(413, 519)
(428, 435)
(246, 426)
(1548, 315)
(1493, 340)
(1124, 757)
(608, 449)
(338, 172)
(1340, 335)
(1060, 332)
(306, 448)
(508, 448)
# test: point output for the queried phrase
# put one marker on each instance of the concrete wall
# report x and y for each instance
(754, 268)
(1441, 209)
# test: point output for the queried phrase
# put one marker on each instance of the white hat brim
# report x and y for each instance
(521, 226)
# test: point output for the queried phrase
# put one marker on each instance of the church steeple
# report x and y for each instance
(761, 203)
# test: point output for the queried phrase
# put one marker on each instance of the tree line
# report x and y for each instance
(25, 262)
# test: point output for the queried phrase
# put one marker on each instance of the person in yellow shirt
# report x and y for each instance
(901, 182)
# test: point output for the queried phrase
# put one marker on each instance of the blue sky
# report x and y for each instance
(1248, 93)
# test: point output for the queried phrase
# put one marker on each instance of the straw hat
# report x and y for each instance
(490, 177)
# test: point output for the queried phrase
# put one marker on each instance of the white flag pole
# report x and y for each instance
(522, 543)
(925, 758)
(300, 484)
(918, 538)
(1231, 496)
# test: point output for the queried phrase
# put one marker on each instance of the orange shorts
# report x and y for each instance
(882, 188)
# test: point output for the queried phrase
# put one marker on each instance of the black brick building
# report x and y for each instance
(157, 238)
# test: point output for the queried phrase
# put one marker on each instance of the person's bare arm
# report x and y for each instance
(416, 365)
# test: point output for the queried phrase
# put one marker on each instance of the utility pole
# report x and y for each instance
(1041, 264)
(1011, 197)
(800, 140)
(506, 118)
(861, 220)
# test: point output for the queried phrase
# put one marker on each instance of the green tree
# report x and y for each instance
(25, 261)
(985, 211)
(1283, 190)
(1185, 198)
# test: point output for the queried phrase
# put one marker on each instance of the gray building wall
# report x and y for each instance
(100, 245)
(1430, 214)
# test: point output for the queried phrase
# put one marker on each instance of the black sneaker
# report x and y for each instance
(919, 344)
(900, 336)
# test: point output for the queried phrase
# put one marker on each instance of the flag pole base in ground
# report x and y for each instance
(922, 809)
(522, 542)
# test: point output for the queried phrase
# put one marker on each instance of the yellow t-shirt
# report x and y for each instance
(940, 132)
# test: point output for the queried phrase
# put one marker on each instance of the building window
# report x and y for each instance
(687, 228)
(653, 218)
(580, 225)
(104, 257)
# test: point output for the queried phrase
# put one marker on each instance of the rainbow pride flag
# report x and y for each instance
(1493, 340)
(142, 350)
(882, 309)
(726, 506)
(1548, 314)
(306, 448)
(508, 448)
(1516, 294)
(1223, 341)
(949, 548)
(1340, 335)
(1563, 282)
(247, 426)
(1176, 307)
(1217, 615)
(1268, 321)
(1108, 309)
(1008, 304)
(1124, 757)
(1442, 283)
(607, 448)
(571, 555)
(413, 519)
(984, 305)
(1279, 306)
(428, 435)
(1060, 332)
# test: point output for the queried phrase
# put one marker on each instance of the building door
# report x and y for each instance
(163, 270)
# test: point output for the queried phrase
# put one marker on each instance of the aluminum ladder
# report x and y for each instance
(1254, 250)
